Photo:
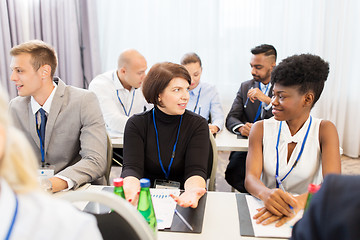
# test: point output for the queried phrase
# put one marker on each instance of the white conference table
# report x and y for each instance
(117, 142)
(220, 218)
(225, 141)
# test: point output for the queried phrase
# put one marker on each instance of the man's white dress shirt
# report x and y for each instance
(117, 103)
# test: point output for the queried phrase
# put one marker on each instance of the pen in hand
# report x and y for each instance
(283, 189)
(247, 100)
(183, 220)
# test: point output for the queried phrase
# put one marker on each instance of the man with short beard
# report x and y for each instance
(252, 103)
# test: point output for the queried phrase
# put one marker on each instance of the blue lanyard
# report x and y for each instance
(132, 101)
(197, 101)
(297, 159)
(259, 108)
(167, 173)
(13, 219)
(41, 143)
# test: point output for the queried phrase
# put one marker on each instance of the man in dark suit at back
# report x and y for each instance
(252, 103)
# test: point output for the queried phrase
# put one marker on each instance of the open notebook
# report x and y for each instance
(164, 206)
(247, 206)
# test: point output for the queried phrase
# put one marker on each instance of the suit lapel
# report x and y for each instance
(32, 125)
(55, 108)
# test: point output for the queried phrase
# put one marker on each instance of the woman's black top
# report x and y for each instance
(141, 151)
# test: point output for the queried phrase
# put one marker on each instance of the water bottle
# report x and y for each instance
(312, 189)
(145, 205)
(118, 187)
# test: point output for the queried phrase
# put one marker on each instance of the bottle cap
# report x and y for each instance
(313, 188)
(144, 183)
(118, 182)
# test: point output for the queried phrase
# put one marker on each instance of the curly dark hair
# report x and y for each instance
(306, 71)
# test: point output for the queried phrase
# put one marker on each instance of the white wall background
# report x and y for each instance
(223, 32)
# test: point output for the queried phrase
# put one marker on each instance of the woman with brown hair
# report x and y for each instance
(167, 144)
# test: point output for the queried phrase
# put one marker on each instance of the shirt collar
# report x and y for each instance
(196, 90)
(35, 106)
(299, 136)
(117, 83)
(263, 88)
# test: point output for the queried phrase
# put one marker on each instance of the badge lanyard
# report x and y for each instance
(167, 173)
(197, 101)
(259, 109)
(41, 143)
(297, 159)
(13, 219)
(132, 101)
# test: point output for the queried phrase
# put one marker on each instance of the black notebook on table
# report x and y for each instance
(246, 228)
(238, 136)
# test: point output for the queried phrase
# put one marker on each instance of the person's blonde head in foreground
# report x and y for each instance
(18, 165)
